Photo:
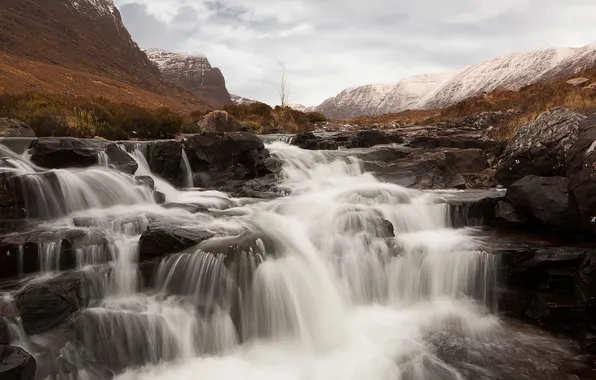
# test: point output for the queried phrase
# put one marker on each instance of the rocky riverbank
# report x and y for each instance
(86, 223)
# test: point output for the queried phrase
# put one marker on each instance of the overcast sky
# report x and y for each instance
(329, 45)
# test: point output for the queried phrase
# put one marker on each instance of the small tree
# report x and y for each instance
(284, 92)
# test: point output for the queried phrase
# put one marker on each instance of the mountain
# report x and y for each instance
(80, 48)
(237, 99)
(300, 107)
(193, 73)
(433, 91)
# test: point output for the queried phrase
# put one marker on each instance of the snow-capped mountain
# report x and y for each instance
(192, 72)
(428, 91)
(300, 107)
(239, 100)
(511, 72)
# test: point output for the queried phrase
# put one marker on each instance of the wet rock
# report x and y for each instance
(16, 364)
(481, 180)
(544, 199)
(490, 148)
(219, 121)
(145, 180)
(473, 208)
(161, 239)
(164, 158)
(585, 281)
(556, 312)
(159, 197)
(540, 147)
(507, 216)
(310, 141)
(68, 152)
(15, 128)
(12, 202)
(466, 160)
(367, 139)
(45, 306)
(581, 171)
(11, 261)
(217, 158)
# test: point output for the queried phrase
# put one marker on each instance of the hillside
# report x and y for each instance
(80, 48)
(433, 91)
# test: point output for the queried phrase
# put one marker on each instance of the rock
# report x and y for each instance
(15, 128)
(506, 215)
(10, 260)
(585, 282)
(12, 202)
(44, 306)
(474, 208)
(367, 139)
(193, 208)
(159, 197)
(577, 82)
(68, 152)
(545, 199)
(161, 239)
(218, 158)
(581, 171)
(490, 148)
(147, 181)
(219, 121)
(540, 147)
(164, 159)
(310, 141)
(16, 364)
(482, 180)
(466, 160)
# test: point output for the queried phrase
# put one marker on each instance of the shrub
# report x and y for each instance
(316, 117)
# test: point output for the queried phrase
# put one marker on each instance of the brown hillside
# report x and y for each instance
(529, 102)
(80, 48)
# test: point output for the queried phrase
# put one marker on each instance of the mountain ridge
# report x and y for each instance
(509, 72)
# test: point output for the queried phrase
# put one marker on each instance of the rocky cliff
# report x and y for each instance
(193, 73)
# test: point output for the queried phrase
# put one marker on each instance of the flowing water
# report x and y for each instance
(345, 277)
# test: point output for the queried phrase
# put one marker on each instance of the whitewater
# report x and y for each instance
(343, 277)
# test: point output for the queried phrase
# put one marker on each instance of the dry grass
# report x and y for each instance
(529, 102)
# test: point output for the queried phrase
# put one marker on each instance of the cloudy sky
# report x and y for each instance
(329, 45)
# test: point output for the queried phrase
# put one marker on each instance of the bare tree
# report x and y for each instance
(284, 92)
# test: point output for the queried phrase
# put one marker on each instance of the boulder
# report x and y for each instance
(310, 141)
(12, 202)
(581, 171)
(161, 239)
(16, 364)
(219, 121)
(466, 160)
(147, 181)
(15, 128)
(540, 147)
(217, 158)
(68, 152)
(367, 139)
(164, 159)
(490, 148)
(45, 306)
(507, 216)
(545, 199)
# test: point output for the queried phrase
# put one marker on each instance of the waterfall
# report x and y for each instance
(345, 277)
(186, 170)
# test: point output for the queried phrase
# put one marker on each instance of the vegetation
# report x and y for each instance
(63, 115)
(527, 103)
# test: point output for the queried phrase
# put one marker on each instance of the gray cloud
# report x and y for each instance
(328, 45)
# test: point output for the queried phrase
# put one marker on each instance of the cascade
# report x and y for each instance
(346, 276)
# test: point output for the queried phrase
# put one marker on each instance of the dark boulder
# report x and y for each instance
(145, 180)
(45, 306)
(545, 199)
(161, 239)
(466, 160)
(164, 159)
(310, 141)
(68, 152)
(219, 121)
(507, 216)
(540, 147)
(367, 139)
(16, 364)
(581, 171)
(18, 259)
(15, 128)
(490, 148)
(12, 202)
(217, 158)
